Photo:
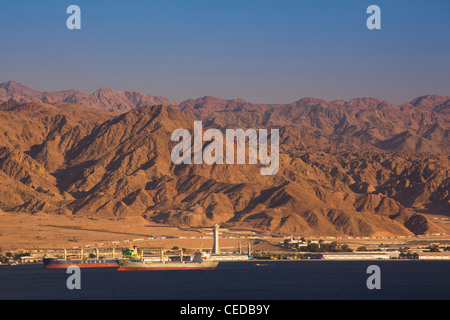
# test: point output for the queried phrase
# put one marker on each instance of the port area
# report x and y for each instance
(95, 256)
(28, 238)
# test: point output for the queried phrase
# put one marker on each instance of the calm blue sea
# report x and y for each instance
(277, 280)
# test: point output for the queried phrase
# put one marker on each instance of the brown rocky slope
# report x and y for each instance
(68, 159)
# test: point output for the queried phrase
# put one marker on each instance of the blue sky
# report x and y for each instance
(259, 51)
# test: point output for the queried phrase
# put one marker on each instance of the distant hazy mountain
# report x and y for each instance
(102, 99)
(423, 125)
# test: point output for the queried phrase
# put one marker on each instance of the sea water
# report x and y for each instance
(252, 280)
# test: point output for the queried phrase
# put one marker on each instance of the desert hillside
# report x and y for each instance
(362, 167)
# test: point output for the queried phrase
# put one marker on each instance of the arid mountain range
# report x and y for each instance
(363, 167)
(102, 99)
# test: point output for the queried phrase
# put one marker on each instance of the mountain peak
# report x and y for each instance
(308, 101)
(430, 100)
(12, 85)
(102, 99)
(104, 89)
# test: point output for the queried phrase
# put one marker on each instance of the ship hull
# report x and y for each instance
(130, 265)
(88, 263)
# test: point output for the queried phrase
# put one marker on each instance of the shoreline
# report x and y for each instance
(276, 261)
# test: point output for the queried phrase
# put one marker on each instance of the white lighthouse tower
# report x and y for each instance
(216, 249)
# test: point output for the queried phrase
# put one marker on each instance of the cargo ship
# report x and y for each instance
(133, 261)
(66, 262)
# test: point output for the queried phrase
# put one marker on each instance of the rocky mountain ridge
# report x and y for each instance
(102, 99)
(346, 167)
